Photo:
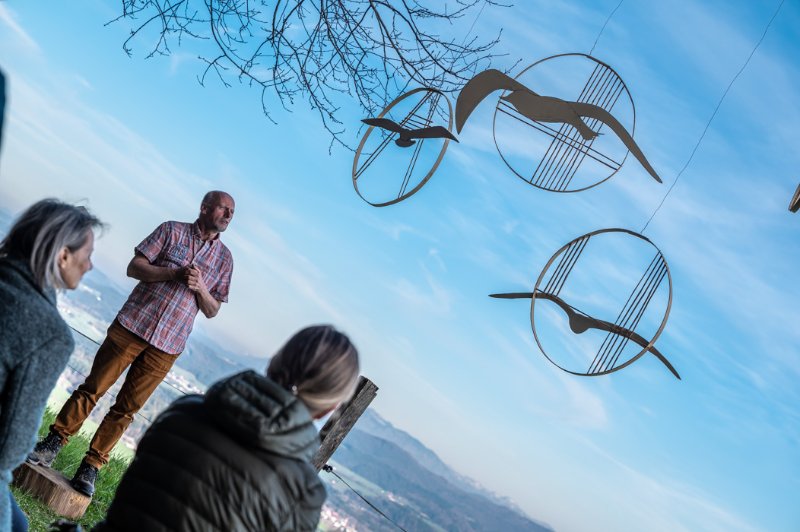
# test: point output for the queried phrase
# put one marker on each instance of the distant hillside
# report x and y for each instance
(388, 466)
(375, 425)
(396, 473)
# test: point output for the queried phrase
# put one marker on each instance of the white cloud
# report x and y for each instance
(661, 502)
(431, 338)
(428, 296)
(9, 20)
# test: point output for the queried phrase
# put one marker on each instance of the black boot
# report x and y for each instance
(46, 450)
(84, 479)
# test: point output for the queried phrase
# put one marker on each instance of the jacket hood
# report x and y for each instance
(259, 412)
(23, 269)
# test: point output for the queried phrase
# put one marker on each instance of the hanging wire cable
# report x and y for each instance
(438, 82)
(472, 27)
(604, 26)
(329, 469)
(85, 335)
(98, 344)
(76, 370)
(708, 124)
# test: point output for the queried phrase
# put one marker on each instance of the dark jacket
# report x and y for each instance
(35, 345)
(235, 459)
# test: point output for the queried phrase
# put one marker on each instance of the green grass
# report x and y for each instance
(67, 462)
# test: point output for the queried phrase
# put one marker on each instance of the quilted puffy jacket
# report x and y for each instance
(235, 459)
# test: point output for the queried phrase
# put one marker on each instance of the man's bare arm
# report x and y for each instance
(205, 301)
(140, 269)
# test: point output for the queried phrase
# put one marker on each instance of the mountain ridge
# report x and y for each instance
(411, 483)
(414, 497)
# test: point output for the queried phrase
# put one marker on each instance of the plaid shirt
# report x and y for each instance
(163, 312)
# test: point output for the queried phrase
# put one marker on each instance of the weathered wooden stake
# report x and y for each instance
(343, 419)
(52, 489)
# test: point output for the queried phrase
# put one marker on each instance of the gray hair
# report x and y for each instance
(42, 231)
(319, 365)
(212, 196)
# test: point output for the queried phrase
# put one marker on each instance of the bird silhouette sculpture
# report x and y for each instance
(407, 135)
(542, 109)
(580, 323)
(794, 205)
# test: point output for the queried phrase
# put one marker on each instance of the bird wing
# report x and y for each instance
(433, 132)
(794, 205)
(597, 112)
(548, 109)
(580, 323)
(384, 123)
(478, 88)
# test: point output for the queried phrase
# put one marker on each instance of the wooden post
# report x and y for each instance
(52, 489)
(342, 420)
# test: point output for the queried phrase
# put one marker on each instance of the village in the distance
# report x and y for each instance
(387, 466)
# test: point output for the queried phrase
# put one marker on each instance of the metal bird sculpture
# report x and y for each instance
(580, 323)
(542, 109)
(794, 205)
(407, 135)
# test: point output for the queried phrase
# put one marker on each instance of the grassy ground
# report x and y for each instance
(67, 462)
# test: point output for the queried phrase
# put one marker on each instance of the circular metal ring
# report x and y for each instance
(547, 267)
(497, 109)
(435, 164)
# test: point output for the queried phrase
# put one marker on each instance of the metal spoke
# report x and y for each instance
(385, 141)
(592, 123)
(547, 160)
(418, 146)
(590, 152)
(565, 265)
(612, 346)
(596, 88)
(602, 100)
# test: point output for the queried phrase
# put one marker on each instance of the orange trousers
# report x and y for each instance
(120, 349)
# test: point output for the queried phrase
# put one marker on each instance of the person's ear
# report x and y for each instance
(63, 255)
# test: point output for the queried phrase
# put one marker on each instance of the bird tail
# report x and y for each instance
(597, 112)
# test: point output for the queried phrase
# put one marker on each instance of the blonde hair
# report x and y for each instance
(319, 364)
(42, 231)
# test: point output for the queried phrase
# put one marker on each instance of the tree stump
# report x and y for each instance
(51, 488)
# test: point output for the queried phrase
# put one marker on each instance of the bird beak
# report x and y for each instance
(513, 295)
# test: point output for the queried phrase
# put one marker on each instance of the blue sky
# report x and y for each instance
(140, 141)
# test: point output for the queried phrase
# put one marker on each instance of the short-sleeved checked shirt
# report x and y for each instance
(162, 313)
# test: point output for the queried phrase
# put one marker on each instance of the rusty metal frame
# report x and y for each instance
(435, 164)
(575, 54)
(547, 267)
(794, 205)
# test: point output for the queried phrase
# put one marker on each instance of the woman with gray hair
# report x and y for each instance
(49, 247)
(238, 458)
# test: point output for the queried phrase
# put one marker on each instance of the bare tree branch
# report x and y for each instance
(321, 50)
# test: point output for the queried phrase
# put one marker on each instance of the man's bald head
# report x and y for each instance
(216, 210)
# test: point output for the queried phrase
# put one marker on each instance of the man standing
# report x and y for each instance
(181, 268)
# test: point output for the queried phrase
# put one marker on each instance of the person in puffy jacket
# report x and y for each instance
(238, 458)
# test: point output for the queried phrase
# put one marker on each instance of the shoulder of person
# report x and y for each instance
(226, 252)
(174, 225)
(190, 405)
